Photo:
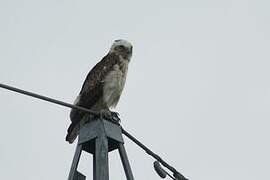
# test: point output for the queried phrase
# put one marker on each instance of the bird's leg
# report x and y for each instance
(105, 114)
(109, 115)
(115, 116)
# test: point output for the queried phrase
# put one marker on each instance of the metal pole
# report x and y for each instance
(125, 162)
(73, 173)
(101, 166)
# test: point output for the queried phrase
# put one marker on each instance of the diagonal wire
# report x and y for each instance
(176, 174)
(48, 99)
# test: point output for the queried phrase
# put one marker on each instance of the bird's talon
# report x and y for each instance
(105, 114)
(115, 116)
(110, 115)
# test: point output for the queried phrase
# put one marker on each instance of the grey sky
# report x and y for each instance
(197, 92)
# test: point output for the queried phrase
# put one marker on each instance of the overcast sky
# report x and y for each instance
(197, 91)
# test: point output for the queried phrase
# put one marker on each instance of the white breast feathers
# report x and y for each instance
(114, 84)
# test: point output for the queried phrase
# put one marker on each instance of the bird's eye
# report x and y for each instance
(121, 47)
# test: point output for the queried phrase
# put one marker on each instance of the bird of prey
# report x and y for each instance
(103, 85)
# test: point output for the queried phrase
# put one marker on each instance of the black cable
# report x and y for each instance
(176, 174)
(48, 99)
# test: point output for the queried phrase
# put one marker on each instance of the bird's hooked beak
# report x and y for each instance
(130, 50)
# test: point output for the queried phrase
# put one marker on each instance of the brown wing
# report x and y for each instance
(91, 92)
(92, 89)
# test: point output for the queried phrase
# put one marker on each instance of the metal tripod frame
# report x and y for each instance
(99, 137)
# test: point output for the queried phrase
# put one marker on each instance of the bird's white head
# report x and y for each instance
(122, 47)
